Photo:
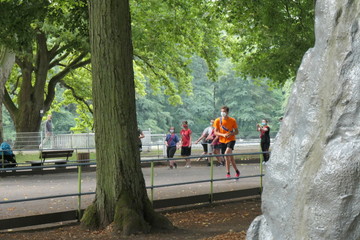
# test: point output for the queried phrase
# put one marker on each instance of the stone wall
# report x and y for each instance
(312, 182)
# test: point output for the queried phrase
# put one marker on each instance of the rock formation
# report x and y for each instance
(312, 182)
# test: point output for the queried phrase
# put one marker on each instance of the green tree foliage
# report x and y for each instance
(49, 40)
(166, 34)
(268, 38)
(249, 102)
(78, 96)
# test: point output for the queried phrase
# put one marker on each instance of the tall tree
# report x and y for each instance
(121, 197)
(49, 41)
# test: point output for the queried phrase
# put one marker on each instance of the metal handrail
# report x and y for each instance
(92, 162)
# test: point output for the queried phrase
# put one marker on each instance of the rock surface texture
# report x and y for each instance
(312, 182)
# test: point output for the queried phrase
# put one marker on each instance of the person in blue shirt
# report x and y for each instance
(171, 141)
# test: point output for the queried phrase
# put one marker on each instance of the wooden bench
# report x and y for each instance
(46, 154)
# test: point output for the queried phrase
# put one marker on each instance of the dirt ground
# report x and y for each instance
(221, 221)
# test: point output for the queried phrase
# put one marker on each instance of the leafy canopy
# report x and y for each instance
(268, 38)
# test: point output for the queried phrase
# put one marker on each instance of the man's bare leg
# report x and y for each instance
(231, 159)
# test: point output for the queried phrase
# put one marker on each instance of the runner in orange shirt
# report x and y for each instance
(226, 128)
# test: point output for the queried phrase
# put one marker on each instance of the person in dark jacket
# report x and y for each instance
(264, 130)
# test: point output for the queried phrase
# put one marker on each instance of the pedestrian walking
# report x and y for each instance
(185, 143)
(264, 130)
(215, 146)
(206, 142)
(48, 129)
(171, 141)
(226, 128)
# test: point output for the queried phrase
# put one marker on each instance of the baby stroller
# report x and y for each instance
(9, 156)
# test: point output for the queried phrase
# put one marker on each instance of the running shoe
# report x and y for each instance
(228, 176)
(237, 174)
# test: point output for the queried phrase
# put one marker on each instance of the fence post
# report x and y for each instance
(261, 173)
(158, 150)
(3, 159)
(211, 180)
(83, 157)
(41, 139)
(152, 182)
(79, 191)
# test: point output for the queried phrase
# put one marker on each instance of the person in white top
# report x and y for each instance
(206, 144)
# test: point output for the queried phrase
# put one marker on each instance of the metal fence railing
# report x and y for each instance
(152, 186)
(61, 140)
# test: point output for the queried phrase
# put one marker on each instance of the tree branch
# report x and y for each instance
(81, 99)
(58, 60)
(16, 85)
(8, 102)
(76, 63)
(53, 51)
(42, 51)
(151, 67)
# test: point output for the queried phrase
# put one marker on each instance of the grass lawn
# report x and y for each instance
(22, 157)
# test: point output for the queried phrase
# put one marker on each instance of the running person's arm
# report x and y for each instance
(214, 140)
(201, 137)
(234, 132)
(190, 143)
(218, 133)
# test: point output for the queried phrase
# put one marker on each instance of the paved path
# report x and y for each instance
(31, 186)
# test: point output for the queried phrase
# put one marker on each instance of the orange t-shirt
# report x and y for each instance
(229, 124)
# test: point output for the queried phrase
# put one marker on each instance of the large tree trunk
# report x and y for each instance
(7, 60)
(26, 115)
(121, 197)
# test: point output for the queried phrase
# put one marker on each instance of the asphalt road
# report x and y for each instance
(32, 186)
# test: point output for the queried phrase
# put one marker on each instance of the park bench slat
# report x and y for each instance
(46, 154)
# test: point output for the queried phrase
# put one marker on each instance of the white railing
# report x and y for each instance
(87, 140)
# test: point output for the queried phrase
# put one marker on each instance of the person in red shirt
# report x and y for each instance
(185, 142)
(226, 128)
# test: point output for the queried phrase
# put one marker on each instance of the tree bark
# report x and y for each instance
(7, 60)
(121, 197)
